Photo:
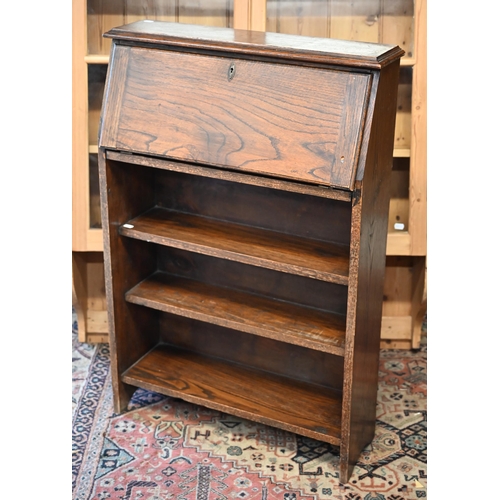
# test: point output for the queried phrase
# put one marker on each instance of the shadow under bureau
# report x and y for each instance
(244, 184)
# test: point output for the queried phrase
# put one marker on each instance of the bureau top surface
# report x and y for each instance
(324, 50)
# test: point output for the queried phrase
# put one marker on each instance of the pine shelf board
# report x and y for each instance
(312, 328)
(248, 245)
(96, 59)
(401, 153)
(248, 393)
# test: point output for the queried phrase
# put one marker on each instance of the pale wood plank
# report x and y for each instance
(241, 15)
(418, 159)
(97, 59)
(398, 243)
(402, 133)
(355, 21)
(80, 186)
(97, 323)
(397, 25)
(94, 240)
(97, 338)
(213, 13)
(396, 328)
(395, 344)
(79, 295)
(401, 153)
(258, 15)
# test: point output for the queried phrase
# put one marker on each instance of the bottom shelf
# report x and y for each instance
(306, 409)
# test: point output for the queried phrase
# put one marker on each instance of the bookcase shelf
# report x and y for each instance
(254, 246)
(320, 330)
(241, 391)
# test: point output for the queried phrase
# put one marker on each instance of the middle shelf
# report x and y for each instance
(246, 312)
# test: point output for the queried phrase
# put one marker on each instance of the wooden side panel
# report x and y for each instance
(113, 95)
(132, 330)
(369, 237)
(261, 118)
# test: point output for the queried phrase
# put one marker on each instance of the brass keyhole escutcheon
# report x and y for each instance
(231, 71)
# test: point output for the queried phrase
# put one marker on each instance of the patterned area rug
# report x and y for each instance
(163, 448)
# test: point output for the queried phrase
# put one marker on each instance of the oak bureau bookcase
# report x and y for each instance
(244, 180)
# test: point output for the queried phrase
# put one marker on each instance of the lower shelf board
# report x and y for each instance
(306, 409)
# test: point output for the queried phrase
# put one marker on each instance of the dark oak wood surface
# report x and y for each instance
(237, 261)
(249, 313)
(368, 257)
(253, 280)
(231, 176)
(237, 390)
(314, 259)
(264, 120)
(256, 43)
(259, 353)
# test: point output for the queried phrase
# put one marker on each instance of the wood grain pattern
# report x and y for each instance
(213, 260)
(264, 120)
(307, 292)
(104, 15)
(271, 209)
(242, 311)
(337, 52)
(131, 329)
(253, 351)
(364, 310)
(314, 259)
(229, 175)
(237, 390)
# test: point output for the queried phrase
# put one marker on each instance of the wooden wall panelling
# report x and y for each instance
(250, 15)
(418, 157)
